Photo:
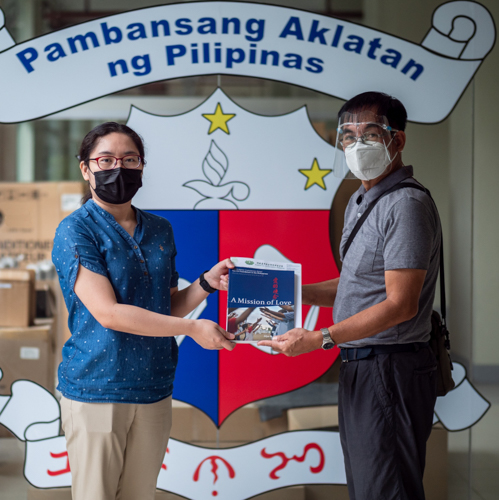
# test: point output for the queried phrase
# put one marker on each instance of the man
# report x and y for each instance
(382, 308)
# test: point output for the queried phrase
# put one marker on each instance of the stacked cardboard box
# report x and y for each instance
(243, 426)
(17, 297)
(29, 216)
(27, 354)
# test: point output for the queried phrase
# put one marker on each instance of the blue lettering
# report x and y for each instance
(337, 36)
(138, 31)
(252, 55)
(257, 32)
(164, 24)
(355, 45)
(266, 54)
(184, 26)
(83, 41)
(209, 26)
(413, 64)
(206, 52)
(142, 65)
(292, 28)
(373, 46)
(392, 60)
(293, 61)
(315, 65)
(27, 56)
(194, 53)
(111, 35)
(121, 63)
(231, 59)
(317, 33)
(174, 51)
(235, 22)
(56, 51)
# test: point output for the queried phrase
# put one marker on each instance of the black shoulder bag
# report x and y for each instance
(439, 339)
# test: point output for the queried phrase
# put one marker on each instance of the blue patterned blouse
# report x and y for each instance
(103, 365)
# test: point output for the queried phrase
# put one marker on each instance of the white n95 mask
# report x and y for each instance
(367, 160)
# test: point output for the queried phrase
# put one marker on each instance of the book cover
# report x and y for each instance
(261, 301)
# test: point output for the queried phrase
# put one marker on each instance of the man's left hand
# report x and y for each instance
(295, 342)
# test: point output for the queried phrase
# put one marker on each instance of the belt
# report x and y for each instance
(355, 353)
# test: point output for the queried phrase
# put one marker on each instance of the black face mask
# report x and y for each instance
(118, 185)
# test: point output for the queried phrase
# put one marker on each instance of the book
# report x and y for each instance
(264, 299)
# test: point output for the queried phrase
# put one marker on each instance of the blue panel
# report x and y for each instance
(196, 238)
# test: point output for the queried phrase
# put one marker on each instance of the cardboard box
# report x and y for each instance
(17, 297)
(312, 417)
(30, 214)
(243, 426)
(27, 354)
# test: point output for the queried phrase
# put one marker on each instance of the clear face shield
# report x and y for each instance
(362, 142)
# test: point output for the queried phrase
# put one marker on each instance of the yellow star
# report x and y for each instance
(219, 120)
(315, 175)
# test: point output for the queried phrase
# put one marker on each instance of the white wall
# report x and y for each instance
(458, 161)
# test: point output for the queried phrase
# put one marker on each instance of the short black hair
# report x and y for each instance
(382, 104)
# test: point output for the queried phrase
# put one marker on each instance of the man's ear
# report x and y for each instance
(399, 140)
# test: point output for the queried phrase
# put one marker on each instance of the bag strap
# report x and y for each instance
(371, 205)
(364, 216)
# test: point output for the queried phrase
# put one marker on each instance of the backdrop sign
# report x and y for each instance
(100, 57)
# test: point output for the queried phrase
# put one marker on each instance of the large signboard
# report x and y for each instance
(332, 56)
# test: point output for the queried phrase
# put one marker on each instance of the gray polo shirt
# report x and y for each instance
(402, 232)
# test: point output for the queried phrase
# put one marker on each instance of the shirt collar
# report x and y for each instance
(388, 182)
(91, 206)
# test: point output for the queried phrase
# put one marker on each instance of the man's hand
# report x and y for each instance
(218, 276)
(210, 336)
(295, 342)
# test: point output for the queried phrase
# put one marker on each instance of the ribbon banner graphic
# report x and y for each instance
(291, 458)
(240, 38)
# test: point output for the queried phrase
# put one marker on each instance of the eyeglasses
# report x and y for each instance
(347, 137)
(110, 162)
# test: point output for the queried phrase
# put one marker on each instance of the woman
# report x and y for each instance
(116, 266)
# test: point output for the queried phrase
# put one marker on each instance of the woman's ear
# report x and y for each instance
(84, 170)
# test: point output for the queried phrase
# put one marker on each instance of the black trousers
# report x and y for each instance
(386, 405)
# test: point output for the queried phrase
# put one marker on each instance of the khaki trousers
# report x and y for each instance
(115, 450)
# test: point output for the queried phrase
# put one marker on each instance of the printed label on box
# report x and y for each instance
(30, 353)
(70, 202)
(5, 285)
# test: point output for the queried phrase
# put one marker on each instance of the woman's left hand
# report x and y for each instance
(218, 276)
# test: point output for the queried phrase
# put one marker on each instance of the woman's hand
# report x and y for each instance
(210, 336)
(218, 276)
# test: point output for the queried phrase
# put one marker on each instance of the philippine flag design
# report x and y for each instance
(233, 183)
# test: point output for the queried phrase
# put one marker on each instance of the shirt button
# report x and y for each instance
(141, 261)
(135, 247)
(359, 215)
(145, 273)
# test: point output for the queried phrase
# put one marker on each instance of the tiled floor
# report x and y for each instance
(482, 468)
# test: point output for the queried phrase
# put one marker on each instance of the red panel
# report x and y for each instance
(248, 374)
